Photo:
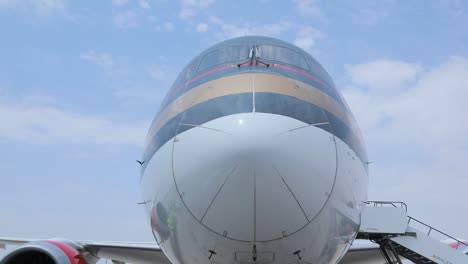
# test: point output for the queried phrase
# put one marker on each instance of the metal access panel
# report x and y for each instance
(383, 220)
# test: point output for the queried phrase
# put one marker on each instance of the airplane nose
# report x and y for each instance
(254, 176)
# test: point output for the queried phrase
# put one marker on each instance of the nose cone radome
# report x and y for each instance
(254, 176)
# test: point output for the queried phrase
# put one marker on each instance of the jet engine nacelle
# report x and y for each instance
(48, 252)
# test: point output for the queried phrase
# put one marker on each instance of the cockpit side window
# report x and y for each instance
(282, 55)
(233, 54)
(319, 71)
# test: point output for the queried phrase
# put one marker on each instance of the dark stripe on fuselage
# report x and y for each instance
(197, 115)
(272, 103)
(247, 83)
(310, 114)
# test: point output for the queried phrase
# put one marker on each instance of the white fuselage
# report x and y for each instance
(255, 188)
(254, 157)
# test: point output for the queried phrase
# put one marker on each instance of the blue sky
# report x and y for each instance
(80, 82)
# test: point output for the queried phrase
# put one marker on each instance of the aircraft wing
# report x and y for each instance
(5, 241)
(128, 252)
(361, 252)
(120, 252)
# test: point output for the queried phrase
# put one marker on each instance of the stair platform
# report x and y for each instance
(387, 224)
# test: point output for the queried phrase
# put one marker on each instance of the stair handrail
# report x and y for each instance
(392, 203)
(437, 230)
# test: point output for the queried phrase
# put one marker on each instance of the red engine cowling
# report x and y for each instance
(48, 252)
(463, 247)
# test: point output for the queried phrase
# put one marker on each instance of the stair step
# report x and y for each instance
(388, 224)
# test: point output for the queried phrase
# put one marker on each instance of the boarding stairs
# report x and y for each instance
(388, 224)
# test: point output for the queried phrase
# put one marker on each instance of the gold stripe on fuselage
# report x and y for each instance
(248, 83)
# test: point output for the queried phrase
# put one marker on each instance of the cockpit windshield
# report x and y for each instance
(223, 55)
(261, 50)
(266, 53)
(278, 54)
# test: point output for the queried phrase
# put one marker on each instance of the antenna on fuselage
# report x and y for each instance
(145, 202)
(297, 253)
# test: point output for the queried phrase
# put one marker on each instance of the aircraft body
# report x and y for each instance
(254, 157)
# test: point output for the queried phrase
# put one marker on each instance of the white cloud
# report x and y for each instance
(101, 59)
(144, 4)
(216, 20)
(417, 135)
(41, 8)
(307, 38)
(454, 8)
(119, 2)
(432, 98)
(44, 123)
(159, 72)
(122, 4)
(46, 7)
(385, 76)
(201, 27)
(166, 26)
(125, 19)
(137, 93)
(369, 12)
(227, 30)
(191, 7)
(8, 3)
(308, 8)
(151, 91)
